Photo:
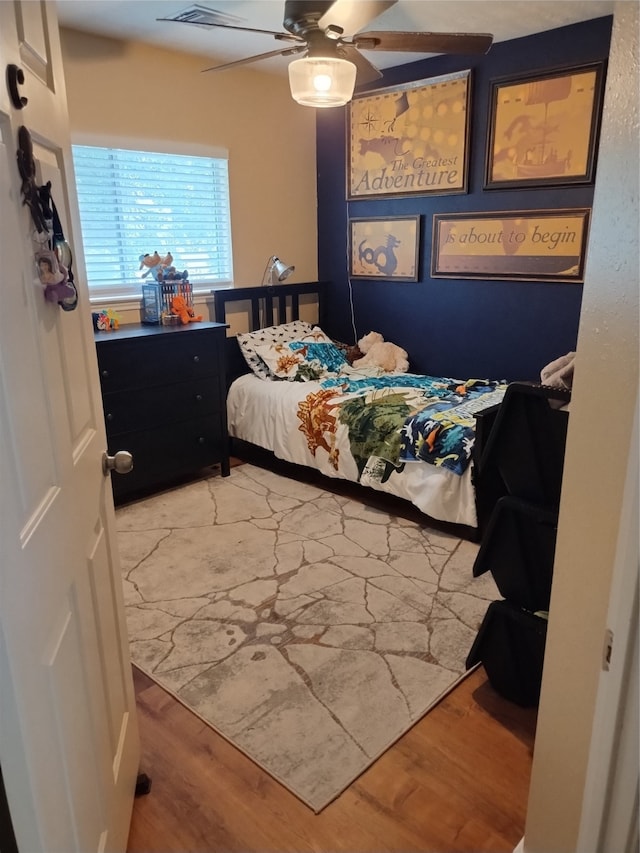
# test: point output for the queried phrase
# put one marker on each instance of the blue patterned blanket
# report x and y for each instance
(405, 417)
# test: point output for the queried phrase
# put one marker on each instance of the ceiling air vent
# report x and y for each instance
(198, 14)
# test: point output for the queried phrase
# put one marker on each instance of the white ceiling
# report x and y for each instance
(136, 19)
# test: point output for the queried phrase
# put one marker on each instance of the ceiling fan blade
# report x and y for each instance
(287, 51)
(366, 72)
(211, 25)
(353, 15)
(466, 43)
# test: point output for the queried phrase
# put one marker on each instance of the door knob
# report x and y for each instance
(121, 462)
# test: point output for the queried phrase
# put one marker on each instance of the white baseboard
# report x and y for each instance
(520, 847)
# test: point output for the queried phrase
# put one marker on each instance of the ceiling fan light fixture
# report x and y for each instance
(319, 81)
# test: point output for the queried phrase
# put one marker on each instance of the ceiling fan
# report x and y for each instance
(328, 34)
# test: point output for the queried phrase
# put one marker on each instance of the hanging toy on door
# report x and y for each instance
(53, 257)
(60, 288)
(54, 276)
(27, 170)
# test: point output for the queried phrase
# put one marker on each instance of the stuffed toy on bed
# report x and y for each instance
(380, 353)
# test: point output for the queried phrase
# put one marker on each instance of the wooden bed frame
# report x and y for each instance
(285, 298)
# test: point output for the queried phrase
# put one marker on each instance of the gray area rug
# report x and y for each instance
(308, 629)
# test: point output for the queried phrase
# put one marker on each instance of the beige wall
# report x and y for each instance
(135, 91)
(604, 399)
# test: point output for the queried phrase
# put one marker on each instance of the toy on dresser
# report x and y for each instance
(105, 321)
(161, 269)
(168, 298)
(185, 312)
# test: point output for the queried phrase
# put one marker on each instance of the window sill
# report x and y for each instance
(123, 303)
(131, 303)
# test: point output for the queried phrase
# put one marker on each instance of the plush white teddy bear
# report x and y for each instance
(379, 353)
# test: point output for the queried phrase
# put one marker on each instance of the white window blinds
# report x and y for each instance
(138, 202)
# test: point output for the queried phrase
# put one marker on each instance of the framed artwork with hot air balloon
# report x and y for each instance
(543, 128)
(411, 139)
(529, 245)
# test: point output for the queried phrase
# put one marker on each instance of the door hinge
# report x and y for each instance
(607, 649)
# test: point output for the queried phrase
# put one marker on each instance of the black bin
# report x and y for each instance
(518, 549)
(510, 645)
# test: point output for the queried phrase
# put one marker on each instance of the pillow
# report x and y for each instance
(316, 334)
(248, 341)
(303, 360)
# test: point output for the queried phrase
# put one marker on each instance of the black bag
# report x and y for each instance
(510, 645)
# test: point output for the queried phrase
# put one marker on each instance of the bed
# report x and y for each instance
(293, 392)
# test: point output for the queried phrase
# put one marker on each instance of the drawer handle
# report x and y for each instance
(109, 416)
(105, 373)
(196, 358)
(198, 398)
(201, 440)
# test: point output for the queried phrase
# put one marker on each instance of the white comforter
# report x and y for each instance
(265, 413)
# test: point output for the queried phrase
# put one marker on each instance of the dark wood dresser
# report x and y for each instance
(163, 392)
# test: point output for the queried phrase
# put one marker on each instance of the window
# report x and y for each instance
(137, 202)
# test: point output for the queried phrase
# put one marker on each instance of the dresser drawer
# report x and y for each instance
(166, 453)
(145, 408)
(161, 360)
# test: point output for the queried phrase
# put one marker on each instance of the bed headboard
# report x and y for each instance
(284, 298)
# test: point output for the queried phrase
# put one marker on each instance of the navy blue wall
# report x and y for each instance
(496, 329)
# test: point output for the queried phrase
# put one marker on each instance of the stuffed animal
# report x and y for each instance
(185, 312)
(156, 265)
(380, 353)
(149, 263)
(58, 292)
(55, 278)
(172, 274)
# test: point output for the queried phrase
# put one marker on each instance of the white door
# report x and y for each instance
(68, 733)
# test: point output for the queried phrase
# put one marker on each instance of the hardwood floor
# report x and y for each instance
(457, 781)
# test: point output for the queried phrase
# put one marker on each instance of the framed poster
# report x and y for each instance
(544, 129)
(410, 139)
(384, 247)
(533, 245)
